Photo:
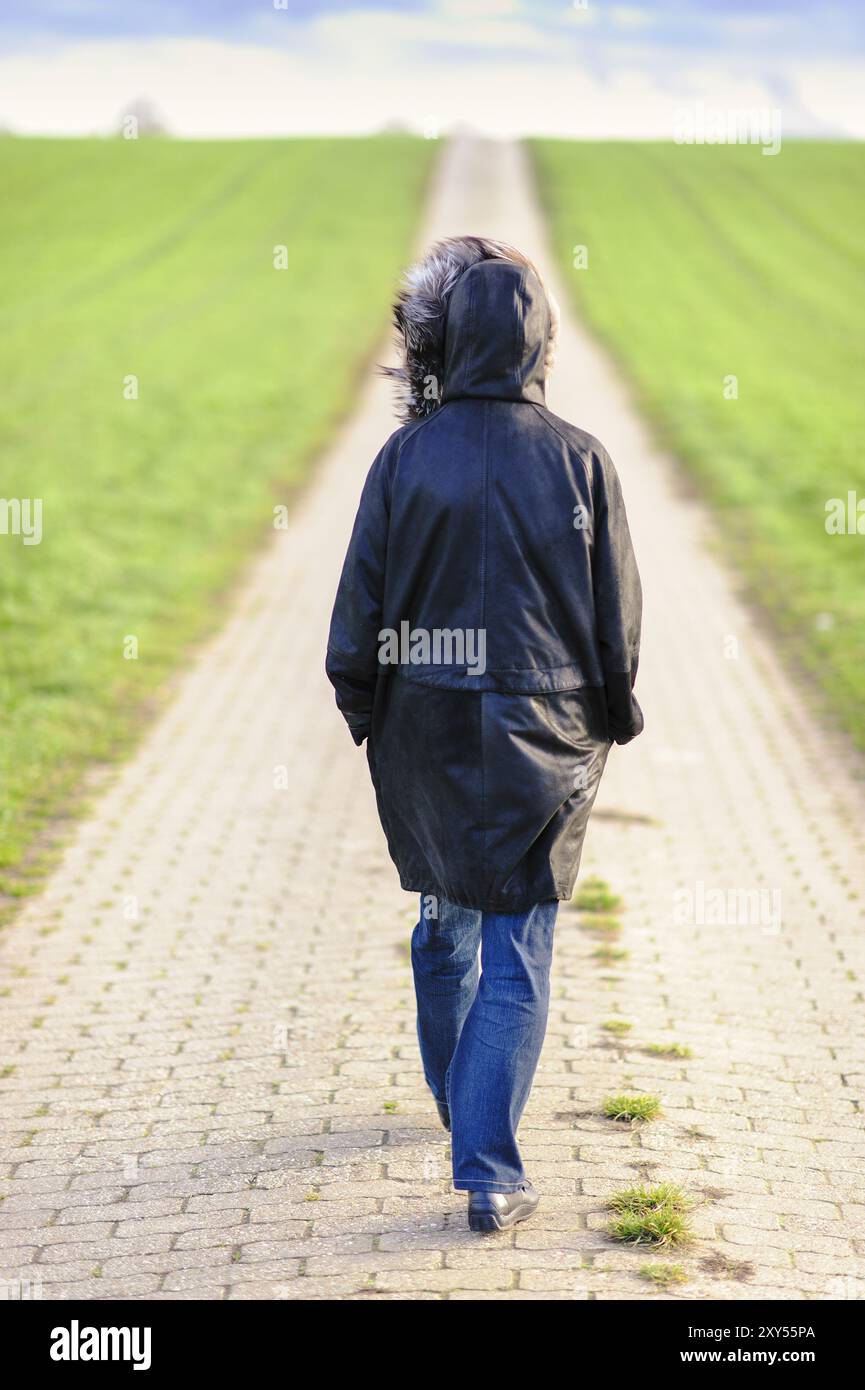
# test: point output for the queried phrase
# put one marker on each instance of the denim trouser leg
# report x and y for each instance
(494, 1064)
(444, 957)
(480, 1042)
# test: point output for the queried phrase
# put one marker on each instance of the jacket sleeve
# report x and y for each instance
(352, 646)
(618, 603)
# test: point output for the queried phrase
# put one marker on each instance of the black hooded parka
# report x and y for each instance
(486, 629)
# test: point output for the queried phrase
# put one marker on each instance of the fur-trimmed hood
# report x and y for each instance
(496, 337)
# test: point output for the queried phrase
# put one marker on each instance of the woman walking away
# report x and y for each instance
(484, 642)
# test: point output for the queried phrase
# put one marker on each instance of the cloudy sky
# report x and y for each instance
(506, 67)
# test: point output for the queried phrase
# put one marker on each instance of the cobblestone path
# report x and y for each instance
(210, 1085)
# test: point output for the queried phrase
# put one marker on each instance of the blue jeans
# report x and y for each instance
(481, 1029)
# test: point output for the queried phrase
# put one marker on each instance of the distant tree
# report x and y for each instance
(141, 118)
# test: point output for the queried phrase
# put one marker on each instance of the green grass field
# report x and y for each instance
(711, 262)
(155, 259)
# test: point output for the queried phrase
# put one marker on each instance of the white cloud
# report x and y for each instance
(630, 17)
(494, 8)
(340, 76)
(833, 92)
(387, 36)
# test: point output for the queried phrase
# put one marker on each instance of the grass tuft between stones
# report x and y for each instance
(664, 1273)
(607, 954)
(596, 896)
(673, 1049)
(651, 1215)
(624, 1107)
(599, 924)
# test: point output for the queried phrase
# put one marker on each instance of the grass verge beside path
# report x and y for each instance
(154, 260)
(707, 263)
